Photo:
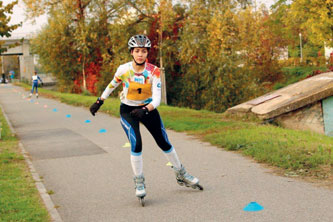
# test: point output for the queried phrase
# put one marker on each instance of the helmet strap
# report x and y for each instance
(138, 64)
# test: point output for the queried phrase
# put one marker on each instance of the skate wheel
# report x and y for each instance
(142, 201)
(199, 187)
(180, 183)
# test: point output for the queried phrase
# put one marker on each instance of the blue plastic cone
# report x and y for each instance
(253, 206)
(102, 131)
(68, 115)
(55, 110)
(87, 121)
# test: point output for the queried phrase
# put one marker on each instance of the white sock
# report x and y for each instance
(137, 165)
(173, 158)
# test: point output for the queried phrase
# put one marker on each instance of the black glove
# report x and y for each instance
(140, 112)
(95, 107)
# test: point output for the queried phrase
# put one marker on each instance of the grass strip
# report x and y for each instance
(19, 198)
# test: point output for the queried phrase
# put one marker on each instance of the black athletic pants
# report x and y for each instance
(152, 122)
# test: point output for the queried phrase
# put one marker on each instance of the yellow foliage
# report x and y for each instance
(316, 17)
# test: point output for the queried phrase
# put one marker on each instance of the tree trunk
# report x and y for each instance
(84, 74)
(162, 74)
(80, 20)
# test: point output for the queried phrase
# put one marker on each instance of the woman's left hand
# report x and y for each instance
(140, 112)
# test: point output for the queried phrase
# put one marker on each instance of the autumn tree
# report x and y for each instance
(75, 12)
(56, 49)
(5, 28)
(213, 77)
(261, 44)
(291, 18)
(316, 17)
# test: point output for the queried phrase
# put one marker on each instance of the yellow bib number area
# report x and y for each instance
(137, 91)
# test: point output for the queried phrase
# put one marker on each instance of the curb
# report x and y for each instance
(50, 206)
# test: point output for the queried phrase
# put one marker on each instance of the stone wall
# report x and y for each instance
(27, 67)
(309, 117)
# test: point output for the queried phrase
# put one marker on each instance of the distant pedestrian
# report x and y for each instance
(12, 75)
(3, 78)
(35, 79)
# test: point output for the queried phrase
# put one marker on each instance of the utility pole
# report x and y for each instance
(300, 44)
(164, 93)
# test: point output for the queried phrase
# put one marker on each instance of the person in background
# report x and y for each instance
(35, 79)
(11, 75)
(3, 78)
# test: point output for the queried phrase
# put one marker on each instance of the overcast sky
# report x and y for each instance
(28, 27)
(19, 16)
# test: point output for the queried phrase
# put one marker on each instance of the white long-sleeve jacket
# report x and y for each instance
(138, 88)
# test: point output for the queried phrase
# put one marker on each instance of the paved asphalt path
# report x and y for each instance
(90, 173)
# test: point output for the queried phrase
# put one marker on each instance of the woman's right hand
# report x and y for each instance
(95, 107)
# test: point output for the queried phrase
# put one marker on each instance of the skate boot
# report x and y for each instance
(184, 178)
(140, 191)
(37, 95)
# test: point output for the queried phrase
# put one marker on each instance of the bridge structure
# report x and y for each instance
(22, 50)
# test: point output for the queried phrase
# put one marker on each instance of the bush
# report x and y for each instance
(86, 93)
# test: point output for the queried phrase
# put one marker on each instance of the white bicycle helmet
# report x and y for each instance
(139, 41)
